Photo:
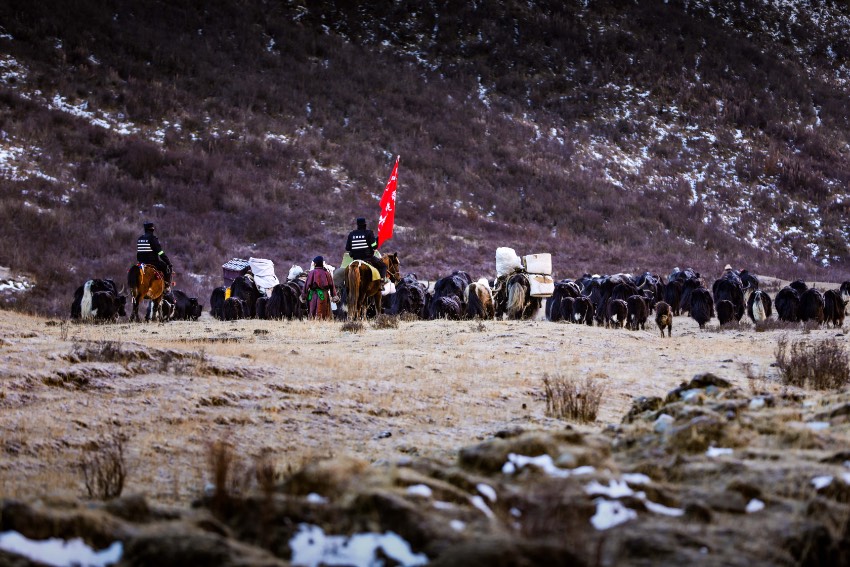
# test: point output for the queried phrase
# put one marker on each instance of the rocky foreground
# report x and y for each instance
(710, 475)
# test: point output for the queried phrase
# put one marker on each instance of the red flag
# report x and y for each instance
(387, 217)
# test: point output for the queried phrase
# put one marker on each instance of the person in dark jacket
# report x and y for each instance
(362, 244)
(149, 251)
(319, 289)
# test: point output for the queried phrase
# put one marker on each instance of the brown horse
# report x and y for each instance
(361, 288)
(146, 283)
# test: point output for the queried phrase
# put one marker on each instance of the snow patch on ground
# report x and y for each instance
(58, 552)
(312, 547)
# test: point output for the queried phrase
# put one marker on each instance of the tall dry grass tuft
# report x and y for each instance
(383, 321)
(353, 327)
(574, 399)
(103, 466)
(822, 365)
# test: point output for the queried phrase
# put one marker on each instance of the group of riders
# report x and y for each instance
(319, 288)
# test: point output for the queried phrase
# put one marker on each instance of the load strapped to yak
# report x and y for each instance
(259, 269)
(536, 269)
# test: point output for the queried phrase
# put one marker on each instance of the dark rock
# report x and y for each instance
(707, 380)
(176, 545)
(728, 501)
(641, 405)
(489, 457)
(698, 511)
(837, 458)
(747, 489)
(696, 435)
(500, 552)
(509, 433)
(810, 544)
(133, 508)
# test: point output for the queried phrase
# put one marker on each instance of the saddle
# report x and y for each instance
(157, 275)
(376, 275)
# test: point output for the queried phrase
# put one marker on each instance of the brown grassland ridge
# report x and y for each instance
(301, 391)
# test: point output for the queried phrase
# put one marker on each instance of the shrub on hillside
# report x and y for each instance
(822, 365)
(574, 399)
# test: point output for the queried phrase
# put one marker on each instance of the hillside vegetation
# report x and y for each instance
(619, 136)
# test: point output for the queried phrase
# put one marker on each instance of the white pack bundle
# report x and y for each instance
(294, 272)
(263, 271)
(507, 261)
(538, 264)
(541, 285)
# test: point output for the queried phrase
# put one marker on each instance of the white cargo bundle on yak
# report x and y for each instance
(264, 276)
(507, 261)
(542, 285)
(538, 264)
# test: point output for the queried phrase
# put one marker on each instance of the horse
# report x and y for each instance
(145, 282)
(362, 288)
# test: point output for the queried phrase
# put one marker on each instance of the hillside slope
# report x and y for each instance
(616, 136)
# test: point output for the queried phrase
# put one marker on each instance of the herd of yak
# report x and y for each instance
(619, 300)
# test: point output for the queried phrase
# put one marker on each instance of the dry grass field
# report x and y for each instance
(243, 440)
(298, 391)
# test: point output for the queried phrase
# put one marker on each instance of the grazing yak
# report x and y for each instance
(726, 311)
(563, 289)
(244, 288)
(787, 304)
(479, 300)
(664, 318)
(701, 306)
(749, 281)
(235, 308)
(618, 313)
(799, 286)
(167, 308)
(811, 306)
(409, 297)
(518, 303)
(729, 288)
(688, 287)
(450, 286)
(582, 311)
(217, 302)
(845, 295)
(759, 306)
(186, 308)
(637, 313)
(565, 309)
(260, 307)
(105, 306)
(833, 308)
(446, 307)
(673, 296)
(82, 307)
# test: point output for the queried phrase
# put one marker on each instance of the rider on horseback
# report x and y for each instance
(149, 251)
(362, 245)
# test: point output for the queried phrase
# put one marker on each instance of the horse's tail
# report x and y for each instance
(352, 282)
(134, 277)
(516, 297)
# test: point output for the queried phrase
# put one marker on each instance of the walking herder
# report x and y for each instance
(319, 289)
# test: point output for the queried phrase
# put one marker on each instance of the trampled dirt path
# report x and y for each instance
(297, 391)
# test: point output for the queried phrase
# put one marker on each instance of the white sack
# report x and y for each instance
(507, 261)
(263, 271)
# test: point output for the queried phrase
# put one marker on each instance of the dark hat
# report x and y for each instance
(318, 261)
(149, 227)
(361, 222)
